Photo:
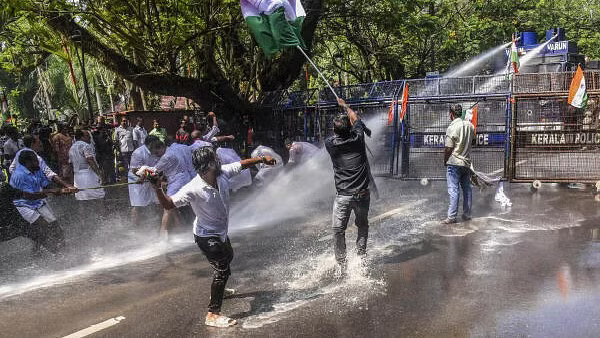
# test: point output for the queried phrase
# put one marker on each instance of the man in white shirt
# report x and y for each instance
(86, 173)
(139, 133)
(175, 162)
(123, 136)
(141, 195)
(300, 152)
(12, 145)
(266, 174)
(208, 195)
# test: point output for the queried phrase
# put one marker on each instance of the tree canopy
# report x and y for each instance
(135, 50)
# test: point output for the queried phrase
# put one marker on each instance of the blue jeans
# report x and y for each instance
(456, 175)
(342, 207)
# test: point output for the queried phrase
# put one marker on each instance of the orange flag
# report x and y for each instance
(404, 101)
(391, 114)
(474, 118)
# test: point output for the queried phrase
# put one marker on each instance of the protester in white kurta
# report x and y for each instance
(266, 173)
(184, 156)
(83, 157)
(141, 195)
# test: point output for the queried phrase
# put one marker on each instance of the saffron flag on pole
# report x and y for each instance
(404, 101)
(471, 115)
(391, 113)
(275, 24)
(577, 92)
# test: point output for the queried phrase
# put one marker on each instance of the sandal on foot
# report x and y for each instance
(229, 292)
(220, 321)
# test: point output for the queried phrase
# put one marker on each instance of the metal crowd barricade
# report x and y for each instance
(373, 102)
(426, 124)
(526, 130)
(553, 141)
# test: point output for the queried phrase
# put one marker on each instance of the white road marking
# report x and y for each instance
(96, 327)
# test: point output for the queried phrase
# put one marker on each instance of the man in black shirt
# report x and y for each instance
(352, 176)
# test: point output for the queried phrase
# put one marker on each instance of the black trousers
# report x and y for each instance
(219, 255)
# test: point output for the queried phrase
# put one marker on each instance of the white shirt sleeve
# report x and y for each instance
(13, 165)
(232, 169)
(46, 169)
(212, 133)
(183, 196)
(166, 163)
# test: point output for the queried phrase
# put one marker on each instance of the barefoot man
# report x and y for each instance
(208, 195)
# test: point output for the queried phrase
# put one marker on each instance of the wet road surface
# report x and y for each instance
(529, 270)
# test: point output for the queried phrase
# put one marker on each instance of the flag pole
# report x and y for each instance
(318, 71)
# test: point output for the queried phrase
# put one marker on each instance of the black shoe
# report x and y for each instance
(466, 218)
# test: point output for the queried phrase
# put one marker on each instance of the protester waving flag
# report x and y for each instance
(577, 92)
(275, 24)
(512, 66)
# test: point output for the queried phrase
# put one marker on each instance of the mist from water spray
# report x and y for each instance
(475, 62)
(534, 52)
(294, 193)
(492, 83)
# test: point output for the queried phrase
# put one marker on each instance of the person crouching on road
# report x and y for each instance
(459, 139)
(208, 195)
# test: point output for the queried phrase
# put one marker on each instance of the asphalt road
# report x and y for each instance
(529, 270)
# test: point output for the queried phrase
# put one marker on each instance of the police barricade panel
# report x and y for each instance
(551, 83)
(554, 141)
(460, 86)
(381, 146)
(427, 123)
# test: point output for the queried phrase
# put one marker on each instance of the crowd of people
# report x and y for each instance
(189, 178)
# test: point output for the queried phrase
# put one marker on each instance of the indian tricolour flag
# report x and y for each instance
(512, 65)
(577, 93)
(275, 24)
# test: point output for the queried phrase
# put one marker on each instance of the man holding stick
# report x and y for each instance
(352, 177)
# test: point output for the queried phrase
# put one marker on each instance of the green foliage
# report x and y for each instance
(207, 40)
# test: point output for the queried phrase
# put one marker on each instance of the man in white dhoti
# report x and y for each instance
(141, 195)
(86, 173)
